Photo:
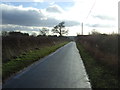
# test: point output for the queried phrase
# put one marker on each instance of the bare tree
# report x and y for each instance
(60, 29)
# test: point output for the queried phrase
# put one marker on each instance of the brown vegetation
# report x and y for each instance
(100, 56)
(16, 43)
(104, 48)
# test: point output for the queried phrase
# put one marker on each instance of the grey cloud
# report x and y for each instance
(104, 17)
(99, 25)
(28, 17)
(17, 27)
(12, 15)
(71, 23)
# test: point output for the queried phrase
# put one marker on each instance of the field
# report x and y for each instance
(100, 56)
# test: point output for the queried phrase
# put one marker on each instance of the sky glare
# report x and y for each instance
(30, 16)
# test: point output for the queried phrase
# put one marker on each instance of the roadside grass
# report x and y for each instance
(100, 76)
(26, 59)
(15, 45)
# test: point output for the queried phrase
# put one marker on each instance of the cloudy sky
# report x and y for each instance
(32, 15)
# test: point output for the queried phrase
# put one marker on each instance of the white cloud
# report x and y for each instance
(23, 0)
(104, 16)
(38, 0)
(54, 9)
(52, 3)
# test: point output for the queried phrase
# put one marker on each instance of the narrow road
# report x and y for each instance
(61, 69)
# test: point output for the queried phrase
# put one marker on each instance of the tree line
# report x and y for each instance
(58, 29)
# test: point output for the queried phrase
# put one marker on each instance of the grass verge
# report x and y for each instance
(26, 59)
(100, 76)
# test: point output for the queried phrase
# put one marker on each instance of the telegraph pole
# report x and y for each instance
(82, 28)
(87, 16)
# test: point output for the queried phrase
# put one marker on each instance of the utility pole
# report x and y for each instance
(82, 28)
(87, 16)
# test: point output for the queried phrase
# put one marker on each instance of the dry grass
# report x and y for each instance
(104, 48)
(14, 45)
(100, 56)
(99, 75)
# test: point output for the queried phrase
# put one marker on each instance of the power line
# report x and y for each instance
(88, 15)
(91, 10)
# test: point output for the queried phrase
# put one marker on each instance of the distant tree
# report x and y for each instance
(59, 29)
(44, 31)
(4, 33)
(25, 34)
(95, 32)
(13, 33)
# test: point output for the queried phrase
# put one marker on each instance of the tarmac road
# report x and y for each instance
(62, 69)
